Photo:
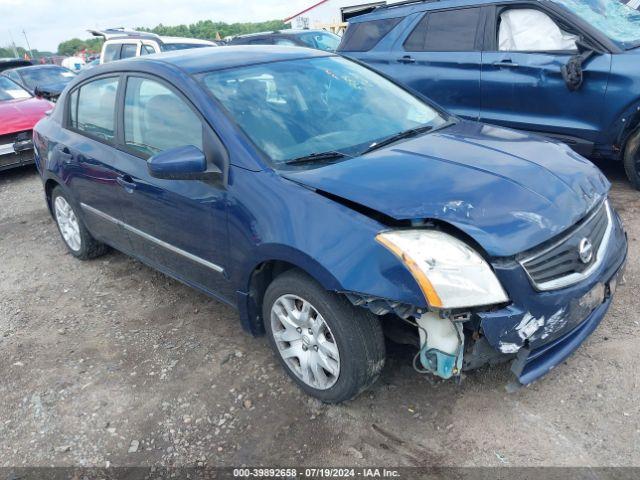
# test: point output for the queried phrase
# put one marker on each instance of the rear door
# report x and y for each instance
(440, 57)
(179, 226)
(88, 159)
(522, 83)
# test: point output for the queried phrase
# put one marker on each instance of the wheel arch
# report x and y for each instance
(264, 270)
(49, 185)
(625, 126)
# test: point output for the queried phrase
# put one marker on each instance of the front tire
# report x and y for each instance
(330, 348)
(632, 159)
(75, 235)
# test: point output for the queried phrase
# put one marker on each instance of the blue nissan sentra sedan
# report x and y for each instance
(329, 206)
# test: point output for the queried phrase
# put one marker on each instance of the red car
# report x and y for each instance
(19, 112)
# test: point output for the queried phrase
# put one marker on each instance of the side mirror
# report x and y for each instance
(180, 163)
(583, 46)
(572, 72)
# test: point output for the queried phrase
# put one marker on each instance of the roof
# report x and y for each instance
(194, 41)
(287, 31)
(199, 60)
(7, 63)
(305, 11)
(122, 34)
(404, 8)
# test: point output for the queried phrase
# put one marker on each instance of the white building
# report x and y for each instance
(330, 14)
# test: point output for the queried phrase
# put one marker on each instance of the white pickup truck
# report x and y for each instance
(120, 43)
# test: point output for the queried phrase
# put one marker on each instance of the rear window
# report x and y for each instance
(111, 52)
(363, 36)
(446, 31)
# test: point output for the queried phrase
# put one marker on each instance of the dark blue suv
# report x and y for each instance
(567, 69)
(327, 203)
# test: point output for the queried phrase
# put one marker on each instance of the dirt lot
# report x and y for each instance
(111, 363)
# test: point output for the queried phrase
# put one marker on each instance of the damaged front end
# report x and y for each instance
(553, 298)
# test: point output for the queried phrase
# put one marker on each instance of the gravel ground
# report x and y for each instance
(108, 362)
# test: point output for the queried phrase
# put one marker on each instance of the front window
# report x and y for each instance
(613, 18)
(128, 50)
(321, 41)
(10, 90)
(35, 76)
(296, 108)
(156, 119)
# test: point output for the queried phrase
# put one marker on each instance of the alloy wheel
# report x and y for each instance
(68, 224)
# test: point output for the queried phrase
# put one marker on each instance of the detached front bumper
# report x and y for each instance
(539, 330)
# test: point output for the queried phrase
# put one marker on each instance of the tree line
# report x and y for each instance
(203, 29)
(8, 52)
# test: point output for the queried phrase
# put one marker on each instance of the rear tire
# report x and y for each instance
(632, 159)
(74, 234)
(341, 346)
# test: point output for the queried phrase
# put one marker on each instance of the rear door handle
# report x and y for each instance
(505, 63)
(407, 59)
(126, 182)
(65, 154)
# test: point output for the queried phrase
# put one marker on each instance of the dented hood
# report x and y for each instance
(508, 190)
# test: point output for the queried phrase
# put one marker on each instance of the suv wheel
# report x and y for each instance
(632, 159)
(330, 348)
(75, 235)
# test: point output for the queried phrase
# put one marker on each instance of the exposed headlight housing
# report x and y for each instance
(450, 273)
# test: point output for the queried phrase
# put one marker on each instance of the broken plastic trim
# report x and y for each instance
(572, 72)
(440, 333)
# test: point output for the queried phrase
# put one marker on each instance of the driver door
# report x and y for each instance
(521, 81)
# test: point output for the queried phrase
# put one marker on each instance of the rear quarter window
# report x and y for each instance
(363, 36)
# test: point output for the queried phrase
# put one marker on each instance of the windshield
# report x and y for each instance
(616, 20)
(291, 109)
(10, 90)
(40, 76)
(321, 41)
(170, 47)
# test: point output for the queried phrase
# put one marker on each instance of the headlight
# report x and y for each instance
(450, 273)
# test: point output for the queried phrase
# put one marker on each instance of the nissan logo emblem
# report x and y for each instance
(585, 250)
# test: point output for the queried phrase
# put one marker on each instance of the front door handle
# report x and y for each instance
(505, 63)
(407, 59)
(126, 182)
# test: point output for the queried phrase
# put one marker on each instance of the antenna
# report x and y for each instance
(28, 46)
(13, 44)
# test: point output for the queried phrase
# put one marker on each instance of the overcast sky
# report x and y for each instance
(49, 22)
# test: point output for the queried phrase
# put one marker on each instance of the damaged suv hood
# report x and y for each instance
(508, 190)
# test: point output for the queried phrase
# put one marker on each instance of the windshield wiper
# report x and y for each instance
(316, 157)
(398, 136)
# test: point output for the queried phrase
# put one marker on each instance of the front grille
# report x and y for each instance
(560, 264)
